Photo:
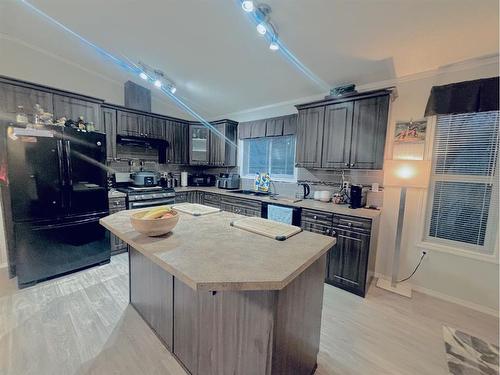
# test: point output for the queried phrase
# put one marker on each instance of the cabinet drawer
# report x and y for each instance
(352, 223)
(117, 204)
(180, 197)
(317, 217)
(243, 203)
(326, 230)
(212, 197)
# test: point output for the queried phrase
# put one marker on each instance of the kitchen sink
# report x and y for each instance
(252, 192)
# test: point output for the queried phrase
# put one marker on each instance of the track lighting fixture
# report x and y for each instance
(247, 6)
(261, 14)
(157, 77)
(261, 28)
(274, 46)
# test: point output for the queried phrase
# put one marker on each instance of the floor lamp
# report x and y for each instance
(404, 174)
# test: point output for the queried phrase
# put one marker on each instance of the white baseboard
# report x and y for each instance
(448, 298)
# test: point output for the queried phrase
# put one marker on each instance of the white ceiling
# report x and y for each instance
(211, 51)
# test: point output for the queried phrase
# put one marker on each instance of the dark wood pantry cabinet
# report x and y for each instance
(343, 133)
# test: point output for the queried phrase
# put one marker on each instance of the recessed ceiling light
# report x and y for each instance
(261, 29)
(173, 89)
(143, 75)
(158, 83)
(247, 6)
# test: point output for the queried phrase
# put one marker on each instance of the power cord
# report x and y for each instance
(424, 253)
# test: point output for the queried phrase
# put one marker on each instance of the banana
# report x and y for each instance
(157, 212)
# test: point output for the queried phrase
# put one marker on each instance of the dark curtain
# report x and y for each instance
(470, 96)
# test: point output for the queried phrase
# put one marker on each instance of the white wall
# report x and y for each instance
(461, 279)
(468, 280)
(102, 80)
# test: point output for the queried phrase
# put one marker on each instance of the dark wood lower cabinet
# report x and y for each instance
(351, 262)
(347, 261)
(268, 332)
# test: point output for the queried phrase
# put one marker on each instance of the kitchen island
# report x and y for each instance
(227, 301)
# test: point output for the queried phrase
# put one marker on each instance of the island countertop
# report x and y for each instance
(207, 253)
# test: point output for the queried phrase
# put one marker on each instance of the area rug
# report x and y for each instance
(469, 355)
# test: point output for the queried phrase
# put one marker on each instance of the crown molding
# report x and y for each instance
(445, 69)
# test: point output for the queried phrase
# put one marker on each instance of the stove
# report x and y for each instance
(147, 196)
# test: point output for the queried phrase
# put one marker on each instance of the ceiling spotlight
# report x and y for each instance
(143, 75)
(173, 89)
(247, 6)
(274, 46)
(261, 28)
(157, 83)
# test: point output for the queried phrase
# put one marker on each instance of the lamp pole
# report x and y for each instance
(399, 235)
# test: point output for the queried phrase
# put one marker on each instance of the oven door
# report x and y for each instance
(150, 203)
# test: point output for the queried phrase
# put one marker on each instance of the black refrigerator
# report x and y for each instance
(58, 192)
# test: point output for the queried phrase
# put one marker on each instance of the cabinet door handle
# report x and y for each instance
(346, 164)
(315, 217)
(349, 224)
(352, 165)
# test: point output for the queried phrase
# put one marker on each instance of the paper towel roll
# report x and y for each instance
(184, 179)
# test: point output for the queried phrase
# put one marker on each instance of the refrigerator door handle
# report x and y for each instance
(60, 162)
(68, 162)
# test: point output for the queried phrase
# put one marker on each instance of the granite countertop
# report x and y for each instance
(312, 204)
(207, 253)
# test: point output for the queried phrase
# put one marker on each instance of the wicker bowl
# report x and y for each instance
(153, 227)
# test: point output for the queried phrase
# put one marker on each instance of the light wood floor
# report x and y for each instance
(82, 324)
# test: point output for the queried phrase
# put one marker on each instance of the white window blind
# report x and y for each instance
(463, 197)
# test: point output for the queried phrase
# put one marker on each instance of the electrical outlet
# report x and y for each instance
(345, 185)
(423, 252)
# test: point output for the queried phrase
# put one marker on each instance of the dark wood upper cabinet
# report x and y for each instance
(368, 133)
(129, 123)
(343, 133)
(108, 121)
(310, 137)
(222, 149)
(12, 96)
(72, 108)
(337, 135)
(177, 135)
(198, 145)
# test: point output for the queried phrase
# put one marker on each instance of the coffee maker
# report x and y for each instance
(356, 197)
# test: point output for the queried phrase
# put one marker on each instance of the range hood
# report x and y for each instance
(145, 143)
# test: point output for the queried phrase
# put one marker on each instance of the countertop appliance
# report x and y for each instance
(58, 193)
(356, 196)
(201, 180)
(228, 181)
(147, 196)
(145, 178)
(281, 213)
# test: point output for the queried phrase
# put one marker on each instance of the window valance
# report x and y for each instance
(464, 97)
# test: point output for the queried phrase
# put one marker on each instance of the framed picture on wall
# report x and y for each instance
(410, 131)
